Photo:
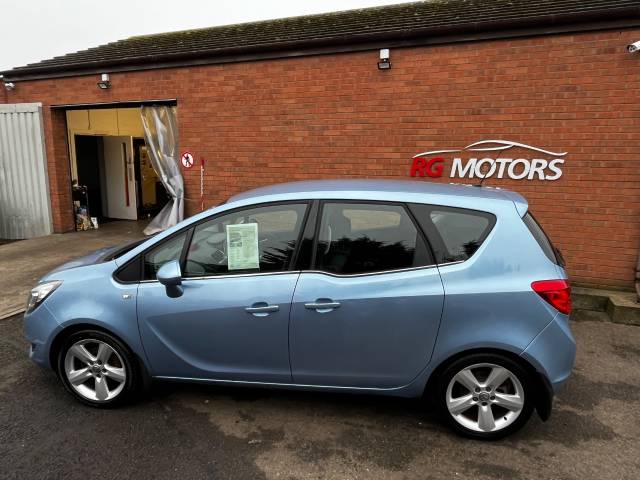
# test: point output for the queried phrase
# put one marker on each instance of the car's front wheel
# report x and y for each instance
(97, 368)
(485, 396)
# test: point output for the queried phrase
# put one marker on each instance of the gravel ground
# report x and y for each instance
(184, 431)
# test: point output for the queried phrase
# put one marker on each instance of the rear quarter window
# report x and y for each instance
(455, 233)
(541, 237)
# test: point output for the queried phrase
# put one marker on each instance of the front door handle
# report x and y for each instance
(261, 309)
(322, 305)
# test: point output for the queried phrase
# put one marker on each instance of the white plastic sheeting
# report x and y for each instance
(161, 134)
(25, 206)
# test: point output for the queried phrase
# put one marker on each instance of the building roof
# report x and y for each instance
(381, 189)
(434, 21)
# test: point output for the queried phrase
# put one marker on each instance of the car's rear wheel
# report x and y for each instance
(485, 396)
(97, 368)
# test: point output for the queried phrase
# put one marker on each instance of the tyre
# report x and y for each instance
(97, 368)
(485, 396)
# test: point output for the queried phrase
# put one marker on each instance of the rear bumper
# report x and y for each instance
(553, 352)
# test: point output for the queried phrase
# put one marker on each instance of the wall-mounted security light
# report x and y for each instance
(9, 85)
(385, 59)
(633, 47)
(104, 82)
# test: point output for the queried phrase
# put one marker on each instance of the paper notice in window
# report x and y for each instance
(242, 246)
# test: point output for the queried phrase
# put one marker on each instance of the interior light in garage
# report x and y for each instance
(104, 82)
(385, 62)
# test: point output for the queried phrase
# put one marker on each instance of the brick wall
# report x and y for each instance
(338, 116)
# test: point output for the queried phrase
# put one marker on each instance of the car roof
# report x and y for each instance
(385, 190)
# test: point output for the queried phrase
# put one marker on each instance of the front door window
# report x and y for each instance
(264, 242)
(167, 251)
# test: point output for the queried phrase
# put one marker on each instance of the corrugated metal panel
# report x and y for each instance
(25, 208)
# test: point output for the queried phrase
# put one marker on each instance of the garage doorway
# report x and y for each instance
(112, 175)
(115, 178)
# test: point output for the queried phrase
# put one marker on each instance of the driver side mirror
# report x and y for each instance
(170, 276)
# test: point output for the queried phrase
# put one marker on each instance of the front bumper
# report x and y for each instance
(40, 328)
(553, 352)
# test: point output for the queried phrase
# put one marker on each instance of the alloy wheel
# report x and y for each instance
(95, 370)
(485, 397)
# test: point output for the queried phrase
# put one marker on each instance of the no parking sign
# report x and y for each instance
(187, 160)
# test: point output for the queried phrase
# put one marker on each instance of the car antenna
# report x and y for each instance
(479, 185)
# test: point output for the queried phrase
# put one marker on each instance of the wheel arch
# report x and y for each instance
(56, 345)
(543, 397)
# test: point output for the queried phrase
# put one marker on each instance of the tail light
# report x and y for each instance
(555, 292)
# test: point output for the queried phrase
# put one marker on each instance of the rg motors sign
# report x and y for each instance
(490, 158)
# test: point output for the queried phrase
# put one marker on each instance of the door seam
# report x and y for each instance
(293, 293)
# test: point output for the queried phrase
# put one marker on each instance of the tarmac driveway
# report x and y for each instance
(186, 432)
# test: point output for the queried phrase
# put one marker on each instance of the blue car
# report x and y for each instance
(448, 292)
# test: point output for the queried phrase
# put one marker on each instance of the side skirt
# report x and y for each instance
(403, 391)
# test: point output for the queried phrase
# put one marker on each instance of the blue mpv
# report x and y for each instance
(448, 292)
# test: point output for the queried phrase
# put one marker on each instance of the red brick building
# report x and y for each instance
(304, 98)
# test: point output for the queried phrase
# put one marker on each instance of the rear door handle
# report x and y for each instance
(262, 310)
(322, 306)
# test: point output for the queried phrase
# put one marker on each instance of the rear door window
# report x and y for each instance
(356, 238)
(455, 233)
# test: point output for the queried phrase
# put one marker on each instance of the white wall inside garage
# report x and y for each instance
(106, 121)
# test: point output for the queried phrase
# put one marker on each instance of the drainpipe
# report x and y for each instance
(638, 279)
(4, 90)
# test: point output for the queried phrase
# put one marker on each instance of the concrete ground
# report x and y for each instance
(22, 263)
(185, 431)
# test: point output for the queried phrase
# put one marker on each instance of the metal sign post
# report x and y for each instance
(202, 184)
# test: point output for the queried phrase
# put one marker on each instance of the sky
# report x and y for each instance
(34, 30)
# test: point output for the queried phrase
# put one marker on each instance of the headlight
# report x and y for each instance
(40, 292)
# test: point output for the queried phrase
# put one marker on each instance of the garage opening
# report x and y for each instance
(113, 177)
